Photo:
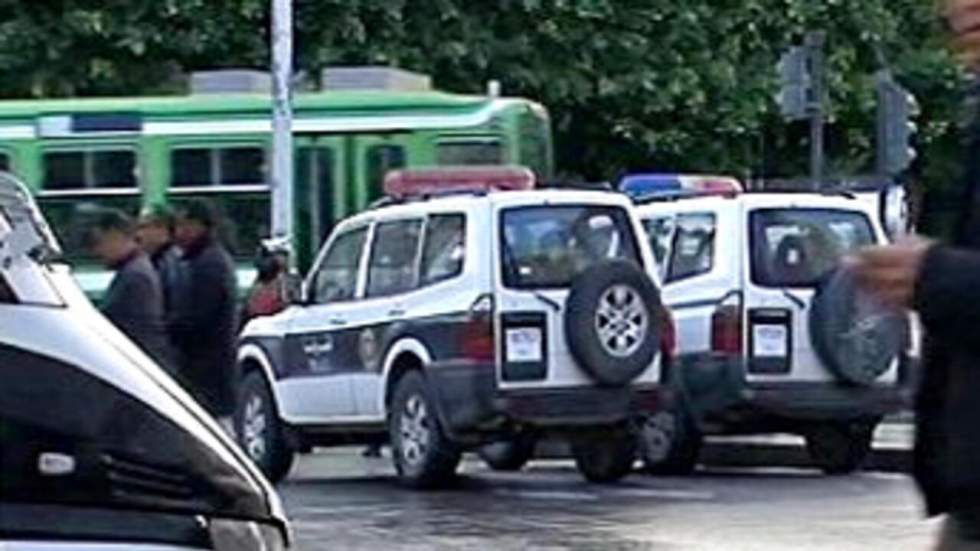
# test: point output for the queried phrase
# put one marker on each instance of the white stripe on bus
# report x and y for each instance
(331, 124)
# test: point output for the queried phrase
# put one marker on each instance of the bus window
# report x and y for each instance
(470, 152)
(380, 160)
(225, 166)
(5, 162)
(190, 167)
(67, 170)
(242, 166)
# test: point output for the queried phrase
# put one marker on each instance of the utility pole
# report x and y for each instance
(282, 121)
(815, 47)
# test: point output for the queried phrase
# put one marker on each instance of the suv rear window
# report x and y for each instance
(546, 247)
(797, 247)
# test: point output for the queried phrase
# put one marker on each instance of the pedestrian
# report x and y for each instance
(265, 298)
(203, 325)
(155, 232)
(134, 299)
(942, 283)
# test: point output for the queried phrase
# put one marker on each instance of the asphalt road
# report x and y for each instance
(337, 500)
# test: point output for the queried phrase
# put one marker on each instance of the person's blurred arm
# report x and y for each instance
(942, 283)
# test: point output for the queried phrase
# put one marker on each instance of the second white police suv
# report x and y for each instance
(468, 309)
(773, 334)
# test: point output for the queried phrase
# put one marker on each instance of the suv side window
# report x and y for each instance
(393, 267)
(661, 234)
(336, 278)
(693, 248)
(445, 248)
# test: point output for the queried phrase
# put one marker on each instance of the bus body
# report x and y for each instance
(81, 154)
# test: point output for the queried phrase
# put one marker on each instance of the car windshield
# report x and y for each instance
(547, 246)
(797, 247)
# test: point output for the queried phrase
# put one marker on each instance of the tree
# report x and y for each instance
(631, 84)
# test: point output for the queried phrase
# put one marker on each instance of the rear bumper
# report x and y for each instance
(470, 402)
(717, 390)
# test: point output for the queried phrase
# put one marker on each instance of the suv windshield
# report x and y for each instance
(796, 247)
(547, 246)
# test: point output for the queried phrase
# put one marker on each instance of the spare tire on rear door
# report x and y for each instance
(612, 322)
(854, 335)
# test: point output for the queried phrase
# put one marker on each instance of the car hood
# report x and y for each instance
(87, 418)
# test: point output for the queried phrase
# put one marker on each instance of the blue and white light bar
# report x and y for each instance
(653, 187)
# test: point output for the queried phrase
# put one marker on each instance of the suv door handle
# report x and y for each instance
(396, 312)
(338, 322)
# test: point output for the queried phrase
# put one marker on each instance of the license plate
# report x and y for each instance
(524, 345)
(770, 341)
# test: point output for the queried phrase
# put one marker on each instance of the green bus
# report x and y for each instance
(79, 154)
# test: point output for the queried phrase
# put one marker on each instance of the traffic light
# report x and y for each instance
(795, 92)
(897, 110)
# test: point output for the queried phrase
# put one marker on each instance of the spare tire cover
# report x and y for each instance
(612, 322)
(854, 334)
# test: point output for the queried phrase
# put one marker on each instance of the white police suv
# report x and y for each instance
(99, 447)
(468, 309)
(772, 335)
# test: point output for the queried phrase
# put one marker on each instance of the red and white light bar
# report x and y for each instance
(420, 182)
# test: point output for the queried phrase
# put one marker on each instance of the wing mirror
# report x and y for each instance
(893, 210)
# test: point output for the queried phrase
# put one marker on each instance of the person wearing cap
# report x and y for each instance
(134, 299)
(942, 283)
(203, 324)
(155, 232)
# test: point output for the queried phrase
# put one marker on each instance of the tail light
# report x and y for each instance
(726, 326)
(478, 343)
(668, 334)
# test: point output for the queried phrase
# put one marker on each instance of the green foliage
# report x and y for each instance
(632, 84)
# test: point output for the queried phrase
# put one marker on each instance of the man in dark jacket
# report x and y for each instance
(203, 325)
(134, 300)
(942, 283)
(155, 232)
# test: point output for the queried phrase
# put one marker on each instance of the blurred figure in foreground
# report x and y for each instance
(942, 283)
(155, 232)
(134, 300)
(203, 324)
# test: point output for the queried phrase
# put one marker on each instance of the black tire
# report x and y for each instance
(856, 337)
(840, 448)
(259, 431)
(424, 458)
(605, 457)
(509, 455)
(669, 443)
(592, 352)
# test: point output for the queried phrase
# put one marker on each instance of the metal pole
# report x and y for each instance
(282, 120)
(815, 44)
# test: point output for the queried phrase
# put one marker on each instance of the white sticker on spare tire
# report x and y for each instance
(524, 345)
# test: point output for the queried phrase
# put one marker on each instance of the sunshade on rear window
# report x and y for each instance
(547, 246)
(797, 247)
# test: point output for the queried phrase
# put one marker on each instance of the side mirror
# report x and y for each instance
(893, 210)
